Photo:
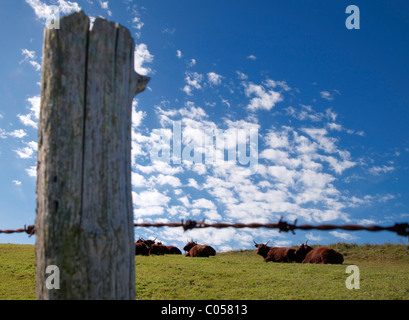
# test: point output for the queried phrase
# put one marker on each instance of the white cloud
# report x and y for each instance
(30, 56)
(185, 201)
(327, 95)
(226, 102)
(31, 119)
(179, 54)
(378, 170)
(18, 133)
(343, 235)
(36, 65)
(138, 180)
(203, 203)
(137, 23)
(331, 115)
(334, 126)
(280, 157)
(45, 12)
(214, 78)
(144, 212)
(104, 5)
(313, 179)
(386, 197)
(28, 151)
(328, 144)
(32, 171)
(311, 237)
(193, 183)
(283, 175)
(169, 31)
(24, 153)
(241, 75)
(159, 166)
(366, 222)
(274, 84)
(296, 178)
(141, 57)
(337, 165)
(149, 203)
(137, 116)
(192, 112)
(252, 57)
(17, 182)
(193, 80)
(191, 62)
(305, 113)
(162, 179)
(264, 99)
(276, 139)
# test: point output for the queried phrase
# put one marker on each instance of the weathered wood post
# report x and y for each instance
(84, 224)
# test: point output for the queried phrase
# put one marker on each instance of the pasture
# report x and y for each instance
(384, 274)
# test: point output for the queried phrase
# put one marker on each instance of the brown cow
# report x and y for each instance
(141, 249)
(168, 249)
(198, 250)
(173, 250)
(275, 254)
(149, 243)
(158, 249)
(323, 255)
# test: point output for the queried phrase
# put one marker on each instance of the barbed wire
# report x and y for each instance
(30, 230)
(401, 229)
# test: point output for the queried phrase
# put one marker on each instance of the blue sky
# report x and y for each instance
(330, 107)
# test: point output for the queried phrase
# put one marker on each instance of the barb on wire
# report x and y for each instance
(401, 229)
(30, 230)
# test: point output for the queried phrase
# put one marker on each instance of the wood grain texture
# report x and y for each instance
(84, 205)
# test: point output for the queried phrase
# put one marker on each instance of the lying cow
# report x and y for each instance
(148, 243)
(173, 250)
(141, 249)
(198, 250)
(275, 254)
(323, 255)
(158, 249)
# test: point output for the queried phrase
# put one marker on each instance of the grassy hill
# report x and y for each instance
(384, 274)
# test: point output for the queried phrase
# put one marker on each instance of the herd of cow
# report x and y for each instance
(303, 254)
(192, 249)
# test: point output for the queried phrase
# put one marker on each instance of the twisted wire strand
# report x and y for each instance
(401, 229)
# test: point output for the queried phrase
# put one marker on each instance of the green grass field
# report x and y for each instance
(384, 274)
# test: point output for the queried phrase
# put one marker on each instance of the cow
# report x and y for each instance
(141, 249)
(322, 255)
(198, 250)
(158, 249)
(173, 250)
(275, 254)
(149, 243)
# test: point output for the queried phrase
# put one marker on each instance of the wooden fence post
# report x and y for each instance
(84, 224)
